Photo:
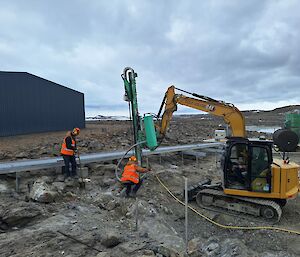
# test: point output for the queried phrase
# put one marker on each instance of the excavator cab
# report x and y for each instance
(247, 165)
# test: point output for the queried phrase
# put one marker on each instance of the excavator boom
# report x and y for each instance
(231, 115)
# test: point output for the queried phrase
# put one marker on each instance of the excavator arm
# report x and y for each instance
(231, 115)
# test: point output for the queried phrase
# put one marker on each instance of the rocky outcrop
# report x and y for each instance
(18, 214)
(111, 239)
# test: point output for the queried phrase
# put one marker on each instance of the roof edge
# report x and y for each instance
(28, 73)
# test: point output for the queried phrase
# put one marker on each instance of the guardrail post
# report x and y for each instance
(136, 214)
(186, 213)
(17, 183)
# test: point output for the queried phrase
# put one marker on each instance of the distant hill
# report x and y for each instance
(289, 108)
(284, 109)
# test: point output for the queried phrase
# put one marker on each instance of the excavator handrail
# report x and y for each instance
(196, 95)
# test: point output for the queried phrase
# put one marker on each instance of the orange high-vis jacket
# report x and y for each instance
(130, 174)
(64, 150)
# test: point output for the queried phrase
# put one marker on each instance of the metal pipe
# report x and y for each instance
(38, 164)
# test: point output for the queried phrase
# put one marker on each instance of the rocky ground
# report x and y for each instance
(97, 221)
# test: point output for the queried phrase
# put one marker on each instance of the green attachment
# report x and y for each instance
(128, 91)
(151, 139)
(128, 77)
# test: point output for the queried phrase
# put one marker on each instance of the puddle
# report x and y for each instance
(264, 129)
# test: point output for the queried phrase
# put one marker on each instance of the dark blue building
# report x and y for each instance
(30, 104)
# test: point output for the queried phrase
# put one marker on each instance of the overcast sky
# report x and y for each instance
(243, 52)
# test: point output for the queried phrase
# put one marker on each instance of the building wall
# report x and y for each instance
(30, 104)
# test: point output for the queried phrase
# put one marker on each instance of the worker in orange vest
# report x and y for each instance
(68, 151)
(130, 176)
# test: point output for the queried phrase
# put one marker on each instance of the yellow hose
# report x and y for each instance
(227, 226)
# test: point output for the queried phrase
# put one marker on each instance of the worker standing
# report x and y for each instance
(68, 151)
(130, 176)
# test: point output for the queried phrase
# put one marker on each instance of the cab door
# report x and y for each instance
(260, 169)
(236, 166)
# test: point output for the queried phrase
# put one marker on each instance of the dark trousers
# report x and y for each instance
(239, 176)
(70, 159)
(135, 187)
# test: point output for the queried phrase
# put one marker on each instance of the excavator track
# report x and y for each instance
(251, 208)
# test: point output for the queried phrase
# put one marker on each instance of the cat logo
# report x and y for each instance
(210, 108)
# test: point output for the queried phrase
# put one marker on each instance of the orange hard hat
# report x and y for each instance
(76, 131)
(132, 158)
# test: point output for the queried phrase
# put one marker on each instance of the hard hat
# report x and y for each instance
(132, 158)
(76, 131)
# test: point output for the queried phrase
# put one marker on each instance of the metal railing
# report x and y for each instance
(39, 164)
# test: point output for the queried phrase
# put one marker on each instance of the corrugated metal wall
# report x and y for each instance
(30, 104)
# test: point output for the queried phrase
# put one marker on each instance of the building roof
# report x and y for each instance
(20, 73)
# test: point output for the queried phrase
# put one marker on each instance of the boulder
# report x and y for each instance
(213, 249)
(162, 232)
(3, 155)
(4, 187)
(95, 145)
(169, 251)
(21, 155)
(226, 248)
(148, 253)
(111, 239)
(195, 245)
(144, 209)
(42, 192)
(112, 205)
(235, 247)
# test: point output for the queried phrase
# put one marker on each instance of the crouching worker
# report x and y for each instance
(130, 176)
(68, 151)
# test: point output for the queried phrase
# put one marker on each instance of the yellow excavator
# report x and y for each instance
(253, 183)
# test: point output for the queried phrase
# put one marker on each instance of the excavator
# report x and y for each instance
(252, 182)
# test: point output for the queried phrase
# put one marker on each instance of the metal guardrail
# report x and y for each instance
(38, 164)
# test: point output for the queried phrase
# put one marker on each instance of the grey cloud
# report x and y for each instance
(237, 51)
